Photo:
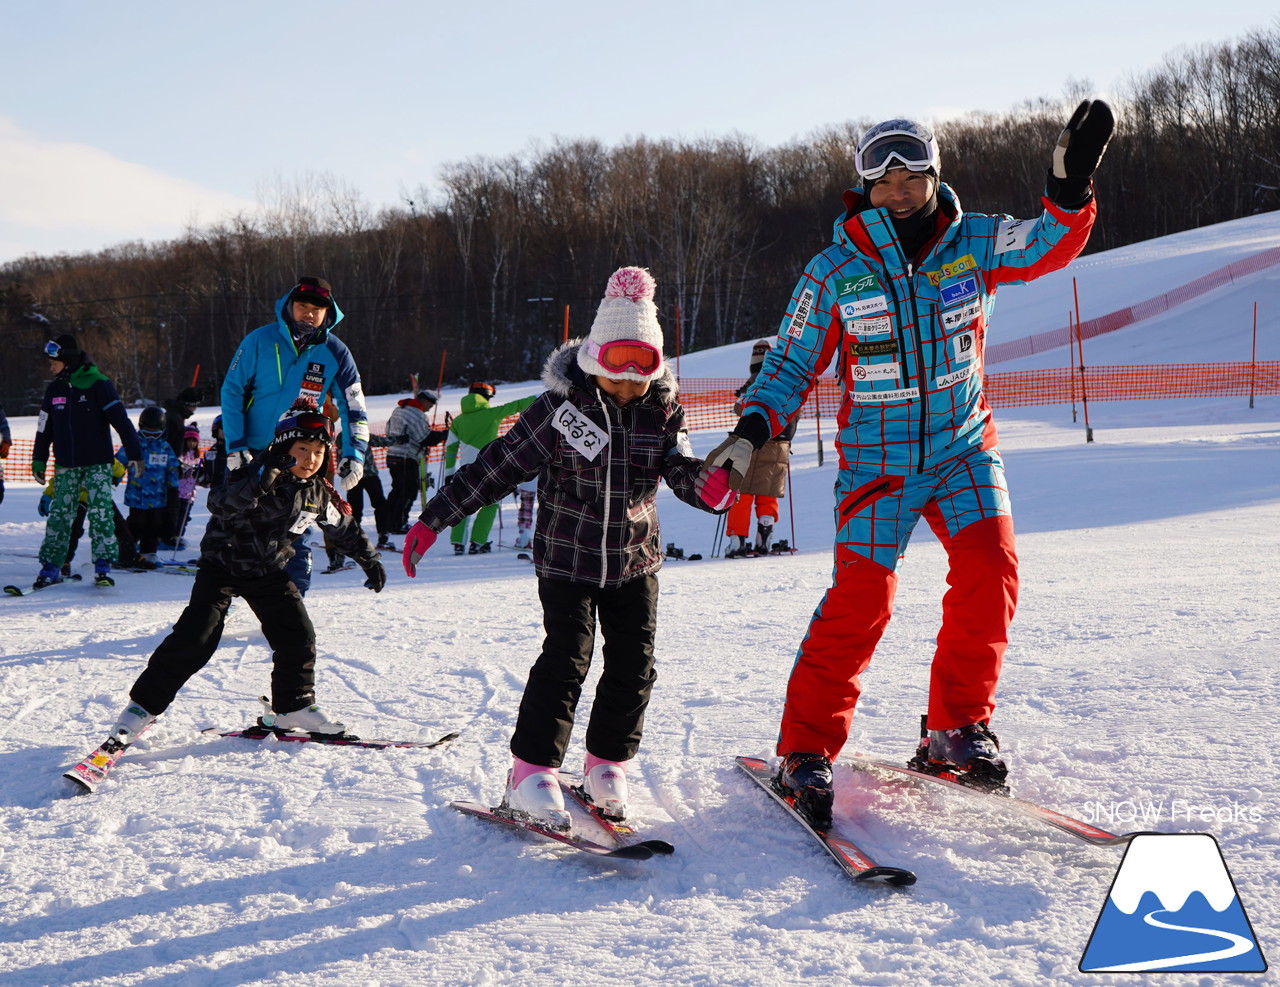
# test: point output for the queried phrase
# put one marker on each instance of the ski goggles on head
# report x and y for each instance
(622, 355)
(309, 425)
(52, 350)
(912, 153)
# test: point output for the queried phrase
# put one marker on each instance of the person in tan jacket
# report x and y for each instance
(763, 483)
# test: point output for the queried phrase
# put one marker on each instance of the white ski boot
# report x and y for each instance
(310, 719)
(533, 793)
(605, 783)
(133, 722)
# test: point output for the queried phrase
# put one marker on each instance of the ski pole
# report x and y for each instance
(715, 543)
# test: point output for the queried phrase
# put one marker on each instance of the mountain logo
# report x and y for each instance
(1173, 908)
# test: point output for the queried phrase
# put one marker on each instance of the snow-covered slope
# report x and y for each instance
(1139, 692)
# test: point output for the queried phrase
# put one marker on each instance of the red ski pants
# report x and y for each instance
(849, 622)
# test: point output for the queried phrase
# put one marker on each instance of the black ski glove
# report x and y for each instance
(1077, 154)
(272, 464)
(377, 576)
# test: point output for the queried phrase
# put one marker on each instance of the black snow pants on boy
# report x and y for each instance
(285, 624)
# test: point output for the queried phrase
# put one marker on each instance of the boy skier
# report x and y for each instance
(254, 515)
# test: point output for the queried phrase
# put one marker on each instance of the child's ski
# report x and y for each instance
(92, 771)
(634, 851)
(619, 831)
(259, 732)
(75, 577)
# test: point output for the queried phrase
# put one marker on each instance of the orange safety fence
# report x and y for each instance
(1119, 319)
(708, 401)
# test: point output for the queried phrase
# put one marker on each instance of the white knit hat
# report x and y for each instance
(627, 314)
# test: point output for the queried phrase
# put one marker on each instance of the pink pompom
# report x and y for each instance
(631, 282)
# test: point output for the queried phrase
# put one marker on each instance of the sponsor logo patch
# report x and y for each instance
(885, 397)
(863, 306)
(961, 265)
(959, 291)
(963, 347)
(856, 286)
(879, 326)
(872, 349)
(947, 380)
(880, 371)
(801, 315)
(312, 382)
(960, 316)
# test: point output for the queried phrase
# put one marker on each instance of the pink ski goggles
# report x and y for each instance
(622, 355)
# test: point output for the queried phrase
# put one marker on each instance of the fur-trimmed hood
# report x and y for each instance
(563, 376)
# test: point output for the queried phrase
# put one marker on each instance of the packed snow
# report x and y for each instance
(1140, 693)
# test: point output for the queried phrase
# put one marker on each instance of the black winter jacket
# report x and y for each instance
(256, 514)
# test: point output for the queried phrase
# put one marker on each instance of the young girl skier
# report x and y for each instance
(606, 430)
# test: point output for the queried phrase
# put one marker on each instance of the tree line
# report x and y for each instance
(480, 273)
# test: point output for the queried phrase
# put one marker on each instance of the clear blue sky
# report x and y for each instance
(129, 121)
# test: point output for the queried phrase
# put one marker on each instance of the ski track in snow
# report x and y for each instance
(1141, 671)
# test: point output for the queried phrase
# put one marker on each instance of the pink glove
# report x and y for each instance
(416, 542)
(713, 488)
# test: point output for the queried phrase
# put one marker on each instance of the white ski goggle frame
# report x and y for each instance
(871, 162)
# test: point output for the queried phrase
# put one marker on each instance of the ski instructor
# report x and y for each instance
(295, 357)
(899, 303)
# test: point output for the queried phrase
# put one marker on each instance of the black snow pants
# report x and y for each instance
(628, 616)
(279, 608)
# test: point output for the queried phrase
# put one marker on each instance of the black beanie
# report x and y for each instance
(315, 291)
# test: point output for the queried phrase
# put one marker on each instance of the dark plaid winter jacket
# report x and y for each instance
(598, 468)
(253, 521)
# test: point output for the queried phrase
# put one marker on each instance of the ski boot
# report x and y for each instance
(48, 575)
(806, 778)
(737, 547)
(459, 548)
(476, 548)
(308, 719)
(102, 573)
(605, 784)
(131, 725)
(968, 755)
(764, 535)
(385, 543)
(533, 793)
(335, 562)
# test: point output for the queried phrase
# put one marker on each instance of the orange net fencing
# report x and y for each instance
(708, 401)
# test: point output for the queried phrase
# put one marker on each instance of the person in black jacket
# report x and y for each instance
(79, 410)
(178, 410)
(254, 516)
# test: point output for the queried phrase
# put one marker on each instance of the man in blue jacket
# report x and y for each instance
(296, 356)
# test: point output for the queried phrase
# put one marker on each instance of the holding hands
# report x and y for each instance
(416, 542)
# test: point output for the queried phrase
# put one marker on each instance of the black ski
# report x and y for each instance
(619, 831)
(259, 732)
(845, 852)
(75, 577)
(634, 851)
